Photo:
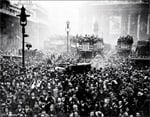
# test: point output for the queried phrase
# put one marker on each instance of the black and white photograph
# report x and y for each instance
(74, 58)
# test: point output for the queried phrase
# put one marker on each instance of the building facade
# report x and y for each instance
(11, 31)
(117, 19)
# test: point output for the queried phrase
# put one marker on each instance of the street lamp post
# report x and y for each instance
(23, 22)
(68, 30)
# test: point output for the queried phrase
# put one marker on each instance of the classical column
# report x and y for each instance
(148, 24)
(138, 27)
(129, 23)
(106, 26)
(143, 26)
(102, 24)
(133, 26)
(84, 25)
(124, 24)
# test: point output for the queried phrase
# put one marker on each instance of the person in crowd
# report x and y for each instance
(38, 91)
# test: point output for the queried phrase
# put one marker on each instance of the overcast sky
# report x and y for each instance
(61, 11)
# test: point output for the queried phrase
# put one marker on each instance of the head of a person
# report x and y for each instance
(27, 107)
(52, 107)
(138, 114)
(33, 95)
(131, 116)
(75, 107)
(36, 104)
(92, 114)
(76, 114)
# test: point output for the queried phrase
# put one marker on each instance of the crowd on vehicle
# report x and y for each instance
(86, 38)
(39, 91)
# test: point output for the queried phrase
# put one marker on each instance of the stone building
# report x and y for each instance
(10, 29)
(117, 19)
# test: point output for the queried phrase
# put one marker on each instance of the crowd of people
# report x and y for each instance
(87, 38)
(40, 91)
(125, 40)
